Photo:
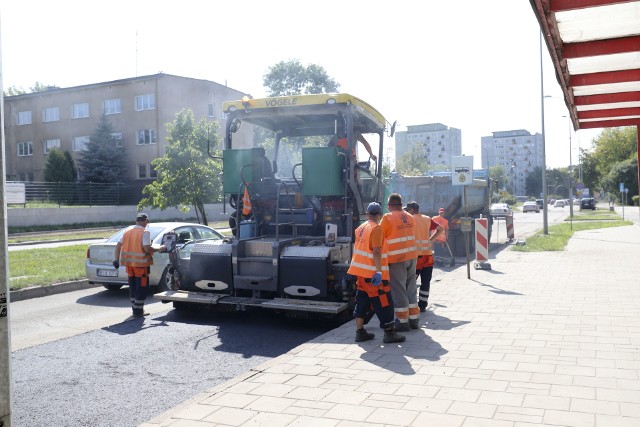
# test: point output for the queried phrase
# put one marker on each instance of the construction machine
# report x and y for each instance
(299, 186)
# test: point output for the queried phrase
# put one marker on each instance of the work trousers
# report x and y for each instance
(377, 298)
(424, 270)
(138, 288)
(403, 290)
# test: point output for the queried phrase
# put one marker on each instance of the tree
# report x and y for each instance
(293, 78)
(103, 160)
(412, 163)
(58, 167)
(72, 164)
(533, 182)
(37, 87)
(187, 176)
(626, 172)
(496, 174)
(614, 145)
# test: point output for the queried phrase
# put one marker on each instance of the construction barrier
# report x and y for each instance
(482, 244)
(509, 221)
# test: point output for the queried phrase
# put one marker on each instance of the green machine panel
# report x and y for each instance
(233, 162)
(322, 172)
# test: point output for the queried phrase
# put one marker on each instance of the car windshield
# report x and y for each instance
(153, 231)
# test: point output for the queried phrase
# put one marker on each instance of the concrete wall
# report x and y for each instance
(26, 217)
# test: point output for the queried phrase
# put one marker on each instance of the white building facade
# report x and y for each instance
(518, 151)
(437, 143)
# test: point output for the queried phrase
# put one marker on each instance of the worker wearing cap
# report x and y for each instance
(370, 265)
(399, 232)
(134, 251)
(426, 232)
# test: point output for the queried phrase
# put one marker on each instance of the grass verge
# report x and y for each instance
(560, 234)
(42, 267)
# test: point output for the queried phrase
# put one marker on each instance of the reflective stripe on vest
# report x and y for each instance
(423, 231)
(132, 253)
(362, 263)
(401, 241)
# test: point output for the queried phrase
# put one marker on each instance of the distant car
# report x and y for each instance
(560, 203)
(500, 210)
(100, 255)
(540, 203)
(588, 203)
(530, 207)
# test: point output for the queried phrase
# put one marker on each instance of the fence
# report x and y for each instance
(85, 193)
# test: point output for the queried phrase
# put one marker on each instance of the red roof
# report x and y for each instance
(595, 49)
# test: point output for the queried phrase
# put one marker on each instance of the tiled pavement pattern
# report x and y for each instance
(547, 339)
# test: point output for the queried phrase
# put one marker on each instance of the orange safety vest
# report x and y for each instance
(423, 232)
(362, 264)
(342, 143)
(400, 236)
(132, 253)
(440, 220)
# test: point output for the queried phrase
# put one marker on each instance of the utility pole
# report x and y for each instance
(5, 337)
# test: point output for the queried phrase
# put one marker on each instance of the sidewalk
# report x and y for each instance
(542, 339)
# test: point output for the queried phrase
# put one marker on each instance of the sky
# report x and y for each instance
(468, 64)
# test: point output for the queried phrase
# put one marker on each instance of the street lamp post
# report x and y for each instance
(545, 210)
(570, 179)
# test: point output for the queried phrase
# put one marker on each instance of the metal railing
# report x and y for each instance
(75, 193)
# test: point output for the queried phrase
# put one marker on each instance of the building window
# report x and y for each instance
(142, 171)
(117, 136)
(80, 143)
(51, 114)
(112, 106)
(24, 118)
(145, 102)
(25, 149)
(212, 111)
(50, 144)
(146, 136)
(80, 111)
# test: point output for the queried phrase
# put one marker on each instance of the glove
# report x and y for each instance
(116, 264)
(376, 280)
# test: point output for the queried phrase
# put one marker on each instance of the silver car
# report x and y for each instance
(530, 207)
(500, 210)
(100, 256)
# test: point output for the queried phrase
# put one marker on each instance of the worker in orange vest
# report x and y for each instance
(340, 141)
(370, 265)
(134, 251)
(440, 219)
(399, 232)
(427, 231)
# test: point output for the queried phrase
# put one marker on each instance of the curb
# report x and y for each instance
(43, 291)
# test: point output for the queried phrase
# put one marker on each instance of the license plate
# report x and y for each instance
(107, 273)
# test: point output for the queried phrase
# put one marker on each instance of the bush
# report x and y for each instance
(635, 200)
(509, 199)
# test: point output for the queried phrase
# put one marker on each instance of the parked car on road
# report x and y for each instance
(500, 210)
(588, 203)
(560, 203)
(530, 207)
(98, 265)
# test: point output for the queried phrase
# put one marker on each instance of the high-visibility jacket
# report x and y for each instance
(246, 203)
(423, 232)
(399, 232)
(132, 253)
(445, 224)
(342, 143)
(362, 264)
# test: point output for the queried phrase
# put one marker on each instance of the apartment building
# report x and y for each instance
(517, 151)
(437, 143)
(138, 108)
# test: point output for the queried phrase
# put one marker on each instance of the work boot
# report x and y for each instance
(363, 335)
(423, 306)
(391, 336)
(402, 327)
(413, 323)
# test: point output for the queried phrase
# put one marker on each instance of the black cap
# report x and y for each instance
(141, 217)
(374, 208)
(413, 205)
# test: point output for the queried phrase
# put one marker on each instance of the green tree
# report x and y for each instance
(293, 78)
(496, 174)
(58, 168)
(626, 172)
(533, 182)
(41, 87)
(187, 176)
(72, 164)
(614, 145)
(14, 90)
(103, 160)
(412, 163)
(590, 175)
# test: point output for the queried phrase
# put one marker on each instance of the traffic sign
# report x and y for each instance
(579, 186)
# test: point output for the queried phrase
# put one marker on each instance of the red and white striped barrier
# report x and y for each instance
(482, 244)
(509, 221)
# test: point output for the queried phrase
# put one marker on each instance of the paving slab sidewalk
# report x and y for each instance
(548, 338)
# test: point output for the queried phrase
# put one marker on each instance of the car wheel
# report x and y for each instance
(113, 287)
(165, 281)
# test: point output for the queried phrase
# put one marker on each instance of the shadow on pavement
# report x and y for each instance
(496, 290)
(119, 298)
(133, 325)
